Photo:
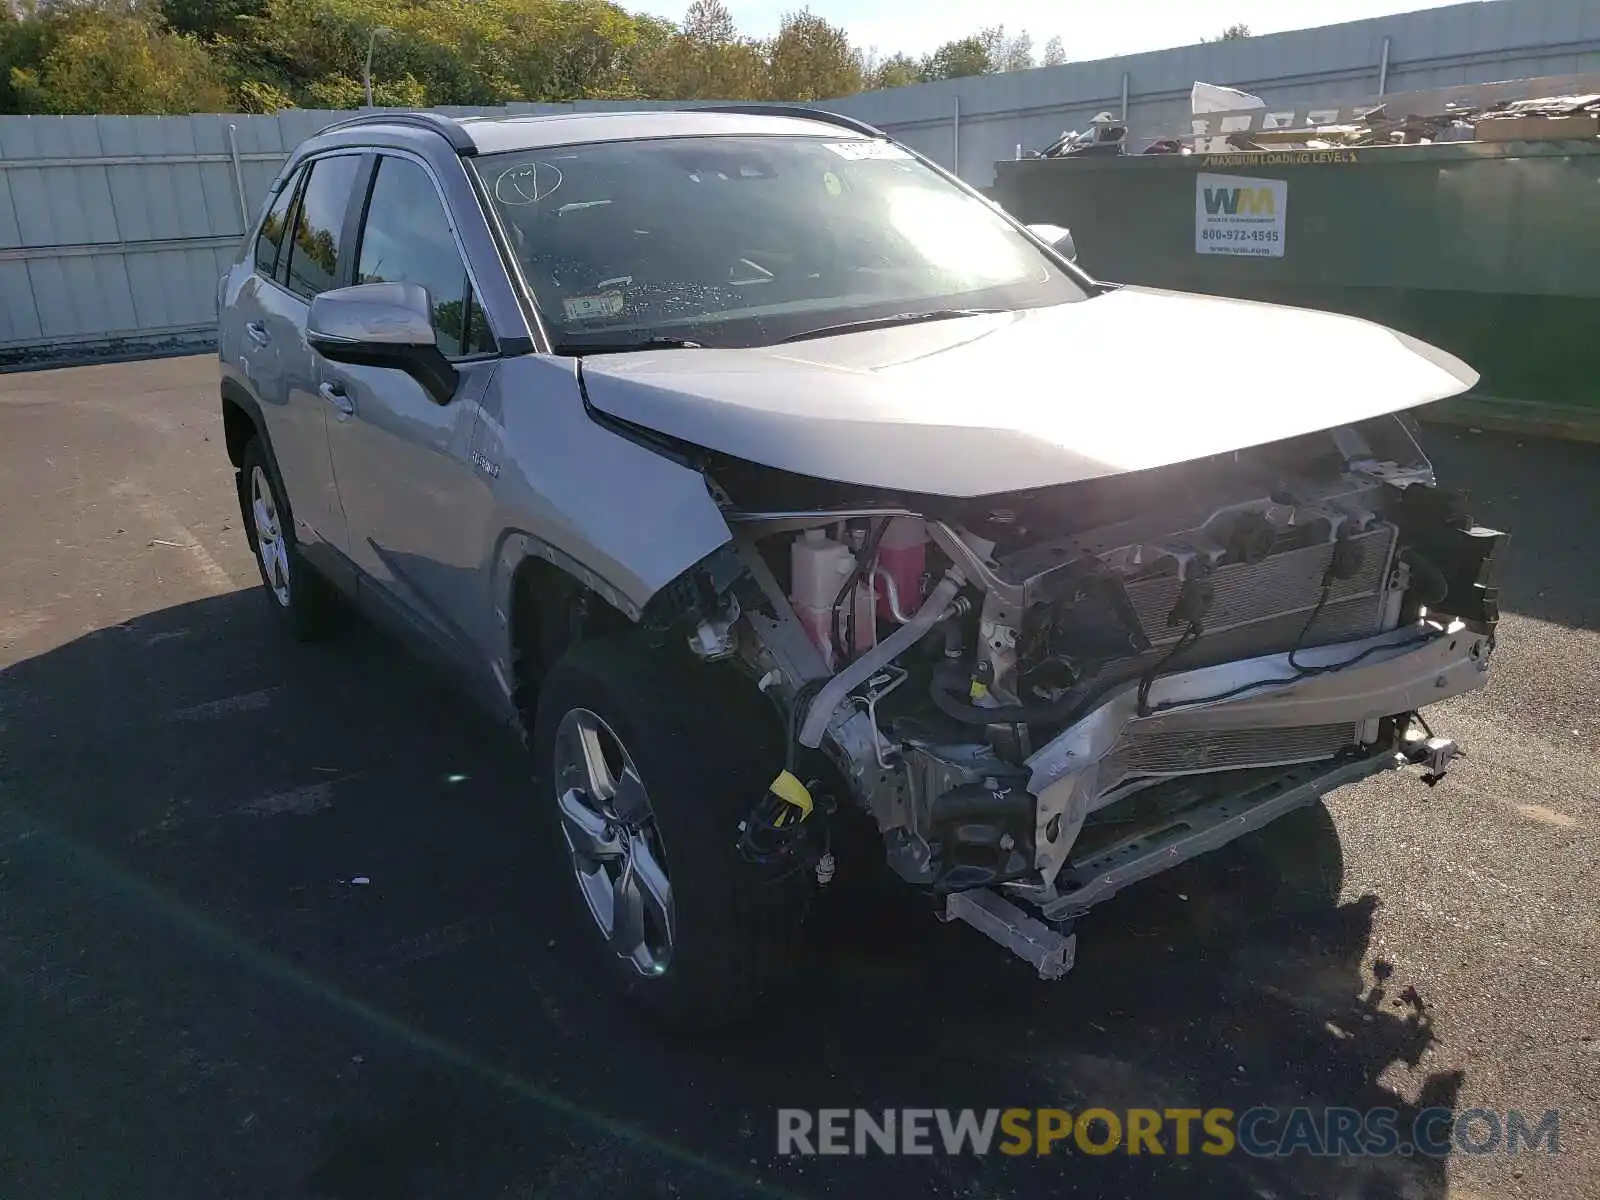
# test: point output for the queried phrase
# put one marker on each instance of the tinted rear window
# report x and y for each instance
(273, 227)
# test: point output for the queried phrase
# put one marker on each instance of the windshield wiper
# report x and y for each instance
(908, 318)
(576, 349)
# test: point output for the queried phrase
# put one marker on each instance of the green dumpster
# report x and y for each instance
(1488, 249)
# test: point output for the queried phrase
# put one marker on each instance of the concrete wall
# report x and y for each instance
(114, 230)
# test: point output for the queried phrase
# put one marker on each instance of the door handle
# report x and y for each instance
(335, 395)
(258, 332)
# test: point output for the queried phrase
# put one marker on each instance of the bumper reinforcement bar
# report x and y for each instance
(1188, 834)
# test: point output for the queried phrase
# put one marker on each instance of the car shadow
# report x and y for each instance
(341, 849)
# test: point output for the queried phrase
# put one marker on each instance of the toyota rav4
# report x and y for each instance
(765, 477)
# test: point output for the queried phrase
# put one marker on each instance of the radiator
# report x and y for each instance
(1284, 585)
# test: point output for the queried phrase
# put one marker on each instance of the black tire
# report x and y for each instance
(705, 755)
(306, 604)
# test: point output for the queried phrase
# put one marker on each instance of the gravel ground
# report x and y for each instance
(196, 1001)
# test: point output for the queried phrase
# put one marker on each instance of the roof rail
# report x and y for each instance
(795, 110)
(447, 127)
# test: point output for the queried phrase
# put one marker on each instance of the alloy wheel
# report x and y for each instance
(611, 835)
(270, 545)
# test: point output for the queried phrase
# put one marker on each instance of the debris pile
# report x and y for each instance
(1225, 119)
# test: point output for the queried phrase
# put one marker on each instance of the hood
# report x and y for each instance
(972, 406)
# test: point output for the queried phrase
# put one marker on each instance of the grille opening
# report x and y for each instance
(1150, 752)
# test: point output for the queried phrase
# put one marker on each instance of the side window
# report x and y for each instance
(314, 251)
(406, 239)
(273, 227)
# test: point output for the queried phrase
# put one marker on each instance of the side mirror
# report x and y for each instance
(1058, 238)
(382, 325)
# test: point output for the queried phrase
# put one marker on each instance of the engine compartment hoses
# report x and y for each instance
(891, 593)
(833, 692)
(950, 687)
(866, 557)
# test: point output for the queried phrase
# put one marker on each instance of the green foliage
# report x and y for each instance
(1233, 33)
(207, 19)
(971, 55)
(899, 70)
(98, 60)
(812, 60)
(260, 56)
(706, 59)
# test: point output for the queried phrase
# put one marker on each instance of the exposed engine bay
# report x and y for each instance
(1044, 696)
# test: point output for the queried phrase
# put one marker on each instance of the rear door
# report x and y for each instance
(242, 331)
(417, 506)
(315, 258)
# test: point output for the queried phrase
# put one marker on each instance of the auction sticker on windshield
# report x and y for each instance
(1235, 215)
(590, 308)
(857, 151)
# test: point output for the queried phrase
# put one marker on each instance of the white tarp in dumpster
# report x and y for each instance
(1213, 97)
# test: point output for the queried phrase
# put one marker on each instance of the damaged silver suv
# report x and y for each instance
(765, 477)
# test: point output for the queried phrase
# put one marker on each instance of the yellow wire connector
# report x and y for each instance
(795, 797)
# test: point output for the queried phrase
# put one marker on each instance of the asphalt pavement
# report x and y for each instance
(200, 997)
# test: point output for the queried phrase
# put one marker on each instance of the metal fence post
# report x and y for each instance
(955, 140)
(238, 178)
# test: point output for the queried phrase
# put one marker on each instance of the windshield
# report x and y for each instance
(742, 241)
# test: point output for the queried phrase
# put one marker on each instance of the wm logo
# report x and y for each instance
(1233, 201)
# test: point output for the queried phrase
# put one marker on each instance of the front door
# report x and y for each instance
(416, 504)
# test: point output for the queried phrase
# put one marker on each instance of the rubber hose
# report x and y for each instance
(892, 647)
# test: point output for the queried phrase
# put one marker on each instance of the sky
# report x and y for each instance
(1087, 30)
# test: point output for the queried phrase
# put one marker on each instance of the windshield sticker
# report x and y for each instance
(592, 308)
(527, 184)
(857, 151)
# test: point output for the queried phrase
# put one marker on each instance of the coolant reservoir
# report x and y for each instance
(818, 568)
(903, 556)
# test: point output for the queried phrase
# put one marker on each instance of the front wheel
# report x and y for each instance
(644, 771)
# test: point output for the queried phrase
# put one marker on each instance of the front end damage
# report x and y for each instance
(1040, 698)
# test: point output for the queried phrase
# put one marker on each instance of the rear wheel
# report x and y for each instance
(302, 599)
(645, 769)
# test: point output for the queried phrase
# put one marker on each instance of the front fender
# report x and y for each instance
(619, 517)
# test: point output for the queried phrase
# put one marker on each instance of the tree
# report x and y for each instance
(312, 50)
(1054, 53)
(898, 70)
(261, 56)
(707, 60)
(983, 53)
(812, 60)
(651, 37)
(1008, 53)
(966, 56)
(102, 61)
(710, 23)
(1233, 33)
(206, 19)
(570, 50)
